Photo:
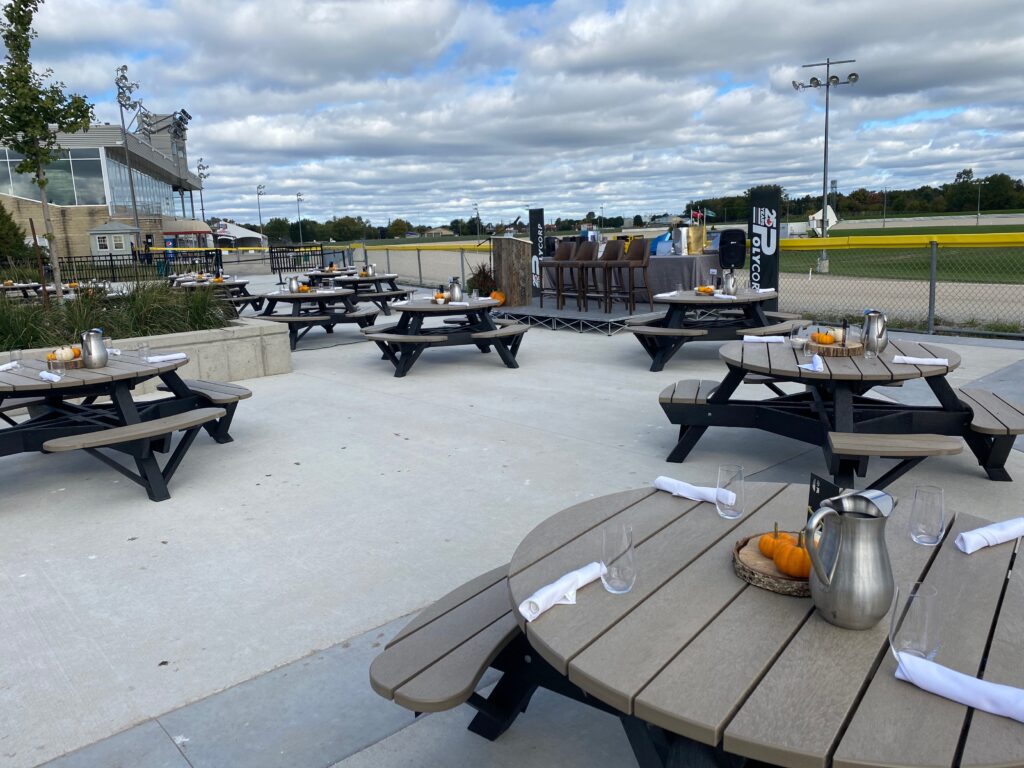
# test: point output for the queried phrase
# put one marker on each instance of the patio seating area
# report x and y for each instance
(237, 626)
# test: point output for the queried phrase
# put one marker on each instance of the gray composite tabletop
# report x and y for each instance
(697, 652)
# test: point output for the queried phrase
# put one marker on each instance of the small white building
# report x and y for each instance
(115, 238)
(814, 221)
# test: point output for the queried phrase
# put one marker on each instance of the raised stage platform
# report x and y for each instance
(570, 318)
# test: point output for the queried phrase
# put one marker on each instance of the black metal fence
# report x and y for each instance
(151, 265)
(287, 258)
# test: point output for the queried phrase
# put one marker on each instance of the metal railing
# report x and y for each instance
(146, 265)
(955, 283)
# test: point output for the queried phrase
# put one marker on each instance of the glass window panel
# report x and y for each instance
(60, 188)
(5, 177)
(23, 186)
(101, 243)
(89, 182)
(118, 242)
(85, 153)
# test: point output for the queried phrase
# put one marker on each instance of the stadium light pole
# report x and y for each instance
(125, 89)
(201, 172)
(261, 190)
(298, 206)
(980, 183)
(830, 82)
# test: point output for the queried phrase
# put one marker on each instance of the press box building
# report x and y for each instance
(88, 188)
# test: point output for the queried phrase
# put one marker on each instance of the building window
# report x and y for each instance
(118, 242)
(101, 243)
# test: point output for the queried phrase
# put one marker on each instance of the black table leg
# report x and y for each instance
(690, 435)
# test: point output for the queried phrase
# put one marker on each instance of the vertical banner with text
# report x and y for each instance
(536, 246)
(763, 231)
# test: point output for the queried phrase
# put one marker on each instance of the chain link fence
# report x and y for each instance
(948, 283)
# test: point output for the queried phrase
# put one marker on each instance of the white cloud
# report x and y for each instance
(418, 108)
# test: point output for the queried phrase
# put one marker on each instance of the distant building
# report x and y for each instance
(439, 232)
(88, 187)
(230, 235)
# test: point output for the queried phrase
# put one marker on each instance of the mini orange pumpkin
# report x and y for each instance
(769, 542)
(793, 559)
(77, 352)
(499, 297)
(823, 337)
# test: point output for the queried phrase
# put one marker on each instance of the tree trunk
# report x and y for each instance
(48, 229)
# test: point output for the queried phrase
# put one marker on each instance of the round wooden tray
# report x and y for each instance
(852, 349)
(754, 568)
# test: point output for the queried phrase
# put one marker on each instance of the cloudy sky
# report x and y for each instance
(421, 108)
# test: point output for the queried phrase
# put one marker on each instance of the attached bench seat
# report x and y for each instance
(506, 339)
(141, 441)
(221, 394)
(657, 330)
(995, 424)
(299, 325)
(399, 338)
(17, 403)
(850, 451)
(771, 330)
(437, 660)
(363, 316)
(645, 319)
(689, 391)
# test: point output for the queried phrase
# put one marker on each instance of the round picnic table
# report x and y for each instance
(320, 297)
(27, 290)
(694, 656)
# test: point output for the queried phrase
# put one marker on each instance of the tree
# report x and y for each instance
(964, 176)
(276, 229)
(12, 241)
(638, 220)
(31, 112)
(398, 228)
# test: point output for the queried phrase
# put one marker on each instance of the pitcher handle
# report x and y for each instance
(818, 521)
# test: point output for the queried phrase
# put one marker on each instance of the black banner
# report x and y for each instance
(537, 246)
(763, 231)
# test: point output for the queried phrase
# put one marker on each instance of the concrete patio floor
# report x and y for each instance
(233, 624)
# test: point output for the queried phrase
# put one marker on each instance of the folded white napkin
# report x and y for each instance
(695, 492)
(11, 366)
(765, 339)
(400, 303)
(166, 358)
(817, 365)
(728, 296)
(47, 376)
(113, 351)
(990, 535)
(764, 290)
(987, 696)
(458, 303)
(668, 295)
(920, 360)
(561, 592)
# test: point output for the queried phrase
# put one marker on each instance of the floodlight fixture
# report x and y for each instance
(815, 82)
(852, 78)
(797, 86)
(833, 80)
(125, 88)
(261, 190)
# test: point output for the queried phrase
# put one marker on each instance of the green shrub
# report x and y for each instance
(147, 310)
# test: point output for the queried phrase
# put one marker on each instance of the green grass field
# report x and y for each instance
(926, 229)
(964, 265)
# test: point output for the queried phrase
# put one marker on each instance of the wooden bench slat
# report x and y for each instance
(14, 403)
(993, 414)
(508, 330)
(398, 338)
(217, 392)
(379, 328)
(654, 330)
(650, 317)
(146, 429)
(771, 330)
(297, 319)
(359, 313)
(772, 315)
(407, 658)
(864, 444)
(450, 681)
(453, 599)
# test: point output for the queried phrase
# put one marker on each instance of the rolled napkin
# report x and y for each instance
(561, 592)
(458, 303)
(764, 339)
(47, 376)
(167, 358)
(903, 359)
(695, 492)
(817, 365)
(990, 535)
(11, 366)
(727, 296)
(668, 295)
(113, 351)
(399, 303)
(1004, 700)
(764, 290)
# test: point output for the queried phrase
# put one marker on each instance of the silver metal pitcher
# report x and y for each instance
(455, 290)
(851, 579)
(94, 353)
(729, 284)
(293, 285)
(873, 335)
(371, 270)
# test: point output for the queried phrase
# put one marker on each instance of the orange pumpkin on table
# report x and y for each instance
(823, 337)
(793, 559)
(769, 542)
(499, 297)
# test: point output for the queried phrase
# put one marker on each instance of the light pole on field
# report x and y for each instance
(298, 206)
(261, 190)
(980, 183)
(830, 81)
